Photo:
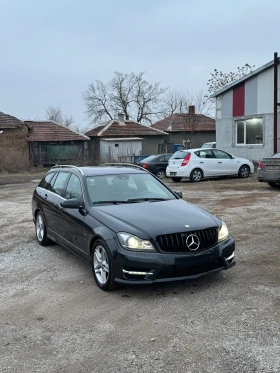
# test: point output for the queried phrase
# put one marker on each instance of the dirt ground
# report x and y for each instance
(54, 318)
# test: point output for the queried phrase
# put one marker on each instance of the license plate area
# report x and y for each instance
(173, 173)
(273, 168)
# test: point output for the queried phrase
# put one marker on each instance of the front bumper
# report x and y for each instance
(148, 268)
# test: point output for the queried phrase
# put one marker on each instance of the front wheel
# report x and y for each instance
(41, 230)
(244, 172)
(176, 179)
(102, 266)
(196, 175)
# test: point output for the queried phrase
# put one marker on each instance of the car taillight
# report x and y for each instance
(186, 160)
(260, 165)
(145, 165)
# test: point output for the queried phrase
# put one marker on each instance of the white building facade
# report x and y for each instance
(245, 114)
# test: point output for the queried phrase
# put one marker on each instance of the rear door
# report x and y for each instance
(207, 162)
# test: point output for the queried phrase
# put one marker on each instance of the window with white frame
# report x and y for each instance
(249, 131)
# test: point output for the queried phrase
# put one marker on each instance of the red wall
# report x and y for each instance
(238, 101)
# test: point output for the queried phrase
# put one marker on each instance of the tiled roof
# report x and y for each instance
(124, 129)
(51, 131)
(179, 122)
(8, 121)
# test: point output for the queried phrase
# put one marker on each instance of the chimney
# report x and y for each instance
(121, 118)
(192, 111)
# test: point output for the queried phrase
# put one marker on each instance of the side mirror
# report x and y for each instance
(73, 203)
(178, 193)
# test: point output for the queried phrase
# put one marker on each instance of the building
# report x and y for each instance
(120, 140)
(190, 129)
(14, 152)
(51, 143)
(246, 113)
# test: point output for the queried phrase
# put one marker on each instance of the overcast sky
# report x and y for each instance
(50, 50)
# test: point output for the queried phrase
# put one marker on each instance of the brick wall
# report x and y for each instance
(14, 150)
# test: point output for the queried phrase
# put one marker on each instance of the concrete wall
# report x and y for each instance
(14, 151)
(150, 143)
(226, 139)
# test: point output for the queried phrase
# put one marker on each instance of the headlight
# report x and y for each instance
(223, 232)
(130, 242)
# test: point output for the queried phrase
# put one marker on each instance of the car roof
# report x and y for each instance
(100, 170)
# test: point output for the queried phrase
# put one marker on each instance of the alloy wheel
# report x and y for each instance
(40, 228)
(101, 265)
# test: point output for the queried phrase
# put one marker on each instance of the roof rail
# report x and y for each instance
(125, 165)
(69, 166)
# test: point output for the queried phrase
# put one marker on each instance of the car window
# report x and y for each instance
(59, 183)
(277, 155)
(165, 158)
(149, 159)
(74, 188)
(205, 154)
(45, 182)
(179, 155)
(222, 155)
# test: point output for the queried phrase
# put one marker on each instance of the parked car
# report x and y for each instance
(209, 145)
(196, 164)
(129, 225)
(269, 170)
(156, 164)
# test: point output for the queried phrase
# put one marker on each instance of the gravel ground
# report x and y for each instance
(55, 319)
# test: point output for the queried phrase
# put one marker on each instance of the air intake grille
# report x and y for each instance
(177, 242)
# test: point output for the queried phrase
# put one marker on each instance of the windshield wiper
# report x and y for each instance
(112, 202)
(147, 199)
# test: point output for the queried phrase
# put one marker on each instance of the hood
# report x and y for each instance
(150, 219)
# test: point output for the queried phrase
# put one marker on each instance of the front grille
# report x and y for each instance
(176, 242)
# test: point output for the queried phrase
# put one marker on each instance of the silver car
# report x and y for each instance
(196, 164)
(269, 170)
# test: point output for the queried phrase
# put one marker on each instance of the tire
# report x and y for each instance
(160, 174)
(176, 179)
(41, 230)
(244, 171)
(102, 266)
(196, 175)
(273, 185)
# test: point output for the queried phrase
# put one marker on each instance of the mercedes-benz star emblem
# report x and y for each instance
(192, 242)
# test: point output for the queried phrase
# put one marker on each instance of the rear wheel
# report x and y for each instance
(102, 266)
(176, 179)
(196, 175)
(244, 171)
(160, 174)
(273, 185)
(41, 230)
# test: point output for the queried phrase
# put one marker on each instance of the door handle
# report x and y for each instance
(201, 162)
(220, 162)
(60, 207)
(45, 196)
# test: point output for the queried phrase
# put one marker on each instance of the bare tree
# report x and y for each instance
(129, 94)
(219, 79)
(54, 113)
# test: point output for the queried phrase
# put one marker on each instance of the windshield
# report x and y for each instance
(126, 188)
(207, 145)
(150, 158)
